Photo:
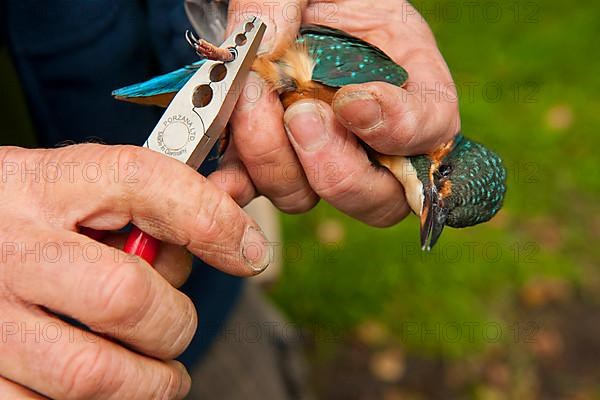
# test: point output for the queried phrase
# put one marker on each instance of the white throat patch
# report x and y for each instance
(403, 170)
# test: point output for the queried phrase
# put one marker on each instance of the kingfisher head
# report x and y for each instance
(459, 185)
(463, 184)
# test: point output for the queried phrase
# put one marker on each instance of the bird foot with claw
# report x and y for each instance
(208, 50)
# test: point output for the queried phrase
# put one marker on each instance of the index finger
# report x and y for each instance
(163, 197)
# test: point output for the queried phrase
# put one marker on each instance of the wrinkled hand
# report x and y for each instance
(317, 155)
(47, 265)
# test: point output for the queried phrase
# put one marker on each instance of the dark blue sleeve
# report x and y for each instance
(70, 55)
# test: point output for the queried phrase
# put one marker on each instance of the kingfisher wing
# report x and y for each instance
(342, 59)
(160, 90)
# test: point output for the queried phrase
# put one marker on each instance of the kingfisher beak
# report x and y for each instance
(433, 217)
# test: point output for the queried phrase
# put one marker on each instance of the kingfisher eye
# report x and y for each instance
(445, 170)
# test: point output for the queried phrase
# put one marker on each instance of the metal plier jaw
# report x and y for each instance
(198, 114)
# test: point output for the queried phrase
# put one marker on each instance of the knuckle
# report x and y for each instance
(142, 171)
(16, 154)
(299, 201)
(16, 182)
(261, 140)
(87, 373)
(338, 186)
(210, 218)
(281, 182)
(404, 129)
(261, 157)
(125, 293)
(266, 147)
(127, 156)
(124, 154)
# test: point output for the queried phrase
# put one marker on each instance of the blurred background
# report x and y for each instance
(505, 310)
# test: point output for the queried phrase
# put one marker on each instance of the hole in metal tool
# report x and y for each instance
(218, 72)
(203, 94)
(248, 27)
(233, 52)
(241, 39)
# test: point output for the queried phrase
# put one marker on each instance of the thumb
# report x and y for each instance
(395, 120)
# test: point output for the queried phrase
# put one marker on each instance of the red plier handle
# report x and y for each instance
(141, 244)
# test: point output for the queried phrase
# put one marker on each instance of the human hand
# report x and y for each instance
(321, 141)
(140, 322)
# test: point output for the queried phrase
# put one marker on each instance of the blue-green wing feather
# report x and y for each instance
(168, 83)
(342, 59)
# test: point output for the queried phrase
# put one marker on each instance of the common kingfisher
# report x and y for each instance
(460, 184)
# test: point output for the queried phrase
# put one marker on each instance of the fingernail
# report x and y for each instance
(305, 125)
(359, 110)
(255, 249)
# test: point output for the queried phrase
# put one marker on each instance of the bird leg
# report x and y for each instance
(208, 50)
